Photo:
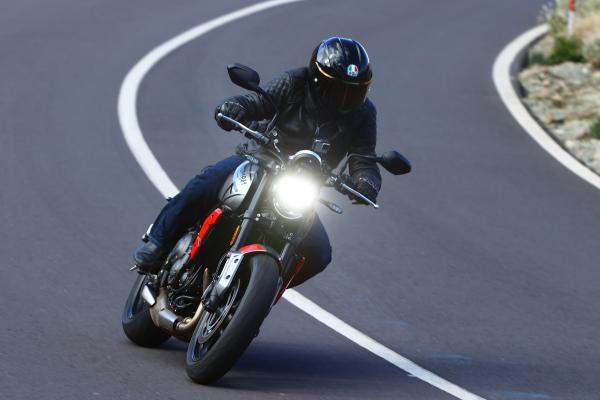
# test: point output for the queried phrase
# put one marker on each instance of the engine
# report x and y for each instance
(182, 276)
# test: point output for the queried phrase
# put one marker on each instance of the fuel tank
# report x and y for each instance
(237, 185)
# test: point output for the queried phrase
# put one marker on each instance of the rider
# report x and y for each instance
(326, 100)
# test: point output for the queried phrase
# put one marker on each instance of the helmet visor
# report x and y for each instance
(340, 95)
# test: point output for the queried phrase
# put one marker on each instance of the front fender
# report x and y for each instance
(235, 259)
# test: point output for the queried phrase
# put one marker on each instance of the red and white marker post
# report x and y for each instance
(571, 22)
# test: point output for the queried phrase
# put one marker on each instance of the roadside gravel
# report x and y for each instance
(565, 99)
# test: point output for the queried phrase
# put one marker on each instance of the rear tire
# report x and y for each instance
(137, 323)
(207, 362)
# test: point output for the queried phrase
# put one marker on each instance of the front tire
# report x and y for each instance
(137, 323)
(207, 360)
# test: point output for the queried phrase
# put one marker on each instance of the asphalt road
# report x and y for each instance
(481, 266)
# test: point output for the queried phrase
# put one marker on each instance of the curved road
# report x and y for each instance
(481, 266)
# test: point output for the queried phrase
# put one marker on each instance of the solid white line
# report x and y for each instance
(503, 82)
(127, 110)
(375, 347)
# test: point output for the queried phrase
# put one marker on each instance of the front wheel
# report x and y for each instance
(220, 338)
(136, 321)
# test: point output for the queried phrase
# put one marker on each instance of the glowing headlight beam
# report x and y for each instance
(295, 194)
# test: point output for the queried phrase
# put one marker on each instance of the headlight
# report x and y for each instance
(293, 195)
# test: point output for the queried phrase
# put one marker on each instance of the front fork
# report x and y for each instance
(288, 261)
(220, 285)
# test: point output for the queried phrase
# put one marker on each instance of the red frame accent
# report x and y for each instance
(207, 226)
(252, 247)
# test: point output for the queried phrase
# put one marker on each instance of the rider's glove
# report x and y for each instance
(363, 186)
(232, 110)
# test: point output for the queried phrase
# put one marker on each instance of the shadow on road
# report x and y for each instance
(280, 367)
(286, 367)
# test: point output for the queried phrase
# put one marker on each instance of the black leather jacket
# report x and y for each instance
(301, 121)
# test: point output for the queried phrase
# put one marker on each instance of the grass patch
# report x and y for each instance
(566, 49)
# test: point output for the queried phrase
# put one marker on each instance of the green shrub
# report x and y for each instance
(537, 58)
(566, 49)
(595, 130)
(591, 52)
(581, 45)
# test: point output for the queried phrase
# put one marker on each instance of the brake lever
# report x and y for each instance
(359, 194)
(338, 183)
(244, 129)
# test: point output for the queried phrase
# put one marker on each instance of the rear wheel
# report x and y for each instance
(137, 323)
(221, 337)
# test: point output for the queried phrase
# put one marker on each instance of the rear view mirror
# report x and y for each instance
(244, 77)
(395, 163)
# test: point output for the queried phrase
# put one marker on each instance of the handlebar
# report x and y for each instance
(259, 137)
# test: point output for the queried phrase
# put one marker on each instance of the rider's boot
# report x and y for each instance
(149, 257)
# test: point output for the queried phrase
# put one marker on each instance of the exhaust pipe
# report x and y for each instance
(161, 314)
(164, 318)
(188, 324)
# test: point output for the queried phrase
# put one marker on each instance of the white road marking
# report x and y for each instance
(127, 112)
(503, 82)
(375, 347)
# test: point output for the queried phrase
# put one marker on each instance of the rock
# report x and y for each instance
(582, 110)
(573, 74)
(572, 130)
(557, 99)
(591, 97)
(554, 116)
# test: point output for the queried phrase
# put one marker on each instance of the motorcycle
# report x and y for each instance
(224, 275)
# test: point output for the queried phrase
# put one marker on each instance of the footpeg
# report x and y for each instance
(146, 236)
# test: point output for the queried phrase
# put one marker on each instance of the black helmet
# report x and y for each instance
(340, 74)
